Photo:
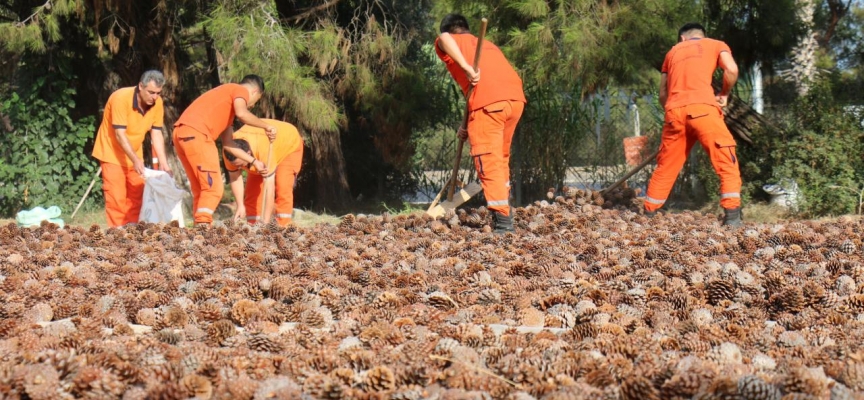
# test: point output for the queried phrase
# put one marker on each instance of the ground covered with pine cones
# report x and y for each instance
(587, 300)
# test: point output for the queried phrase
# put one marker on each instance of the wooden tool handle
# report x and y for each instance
(87, 192)
(648, 160)
(264, 217)
(451, 185)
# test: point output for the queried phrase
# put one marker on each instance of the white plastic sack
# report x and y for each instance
(784, 194)
(162, 199)
(35, 216)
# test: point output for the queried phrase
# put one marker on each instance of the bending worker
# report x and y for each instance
(130, 113)
(495, 108)
(208, 118)
(693, 114)
(287, 157)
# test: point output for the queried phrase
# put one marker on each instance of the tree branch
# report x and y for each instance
(838, 11)
(39, 10)
(312, 10)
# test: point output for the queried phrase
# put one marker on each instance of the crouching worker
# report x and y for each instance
(208, 118)
(286, 160)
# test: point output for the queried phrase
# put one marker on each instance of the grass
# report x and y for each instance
(760, 213)
(89, 214)
(407, 209)
(93, 214)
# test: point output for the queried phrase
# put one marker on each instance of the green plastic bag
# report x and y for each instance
(35, 216)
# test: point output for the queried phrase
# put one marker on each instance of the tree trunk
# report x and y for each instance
(331, 191)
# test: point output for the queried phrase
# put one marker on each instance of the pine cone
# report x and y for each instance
(848, 246)
(379, 379)
(719, 290)
(442, 301)
(261, 342)
(221, 330)
(853, 376)
(790, 300)
(753, 387)
(638, 388)
(197, 386)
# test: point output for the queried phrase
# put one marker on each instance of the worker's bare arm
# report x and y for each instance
(229, 146)
(730, 76)
(448, 45)
(664, 89)
(158, 140)
(246, 116)
(137, 163)
(235, 179)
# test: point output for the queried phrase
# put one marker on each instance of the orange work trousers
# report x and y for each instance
(683, 128)
(286, 177)
(124, 194)
(200, 159)
(490, 132)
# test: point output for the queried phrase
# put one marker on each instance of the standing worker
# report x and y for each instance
(130, 113)
(495, 108)
(693, 114)
(208, 118)
(287, 158)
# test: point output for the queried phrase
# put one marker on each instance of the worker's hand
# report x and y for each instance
(167, 168)
(271, 133)
(240, 214)
(462, 133)
(260, 167)
(722, 101)
(138, 165)
(473, 76)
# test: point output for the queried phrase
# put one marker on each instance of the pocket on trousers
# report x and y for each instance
(189, 146)
(477, 152)
(697, 115)
(727, 148)
(208, 176)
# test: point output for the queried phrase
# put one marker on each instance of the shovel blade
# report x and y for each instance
(459, 198)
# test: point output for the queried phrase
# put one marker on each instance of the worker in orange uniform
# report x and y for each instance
(287, 158)
(693, 114)
(208, 118)
(130, 113)
(495, 108)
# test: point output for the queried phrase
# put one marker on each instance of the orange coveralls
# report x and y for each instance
(692, 114)
(195, 134)
(122, 186)
(287, 160)
(496, 106)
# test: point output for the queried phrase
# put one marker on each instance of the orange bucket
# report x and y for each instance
(633, 147)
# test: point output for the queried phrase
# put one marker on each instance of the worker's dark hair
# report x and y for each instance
(691, 26)
(255, 80)
(454, 23)
(242, 144)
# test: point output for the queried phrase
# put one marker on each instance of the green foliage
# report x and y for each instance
(756, 30)
(252, 40)
(43, 162)
(820, 148)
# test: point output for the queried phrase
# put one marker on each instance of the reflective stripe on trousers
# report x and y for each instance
(654, 201)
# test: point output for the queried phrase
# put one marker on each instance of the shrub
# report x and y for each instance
(43, 161)
(819, 145)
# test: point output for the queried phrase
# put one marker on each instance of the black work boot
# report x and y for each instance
(503, 223)
(649, 214)
(732, 217)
